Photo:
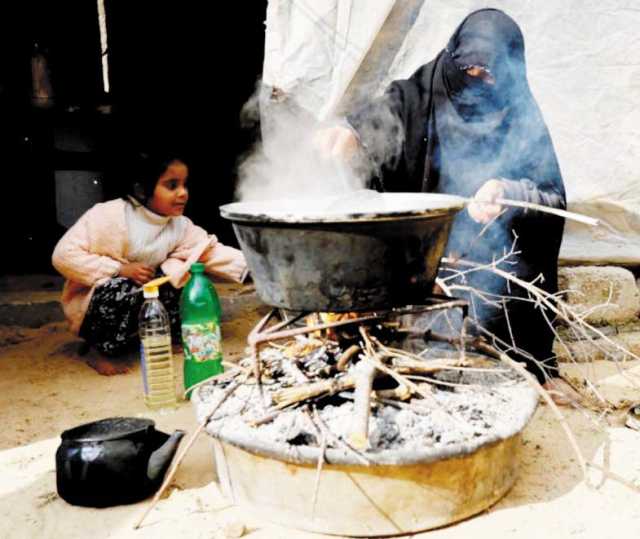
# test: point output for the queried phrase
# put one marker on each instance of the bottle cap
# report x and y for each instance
(150, 291)
(198, 267)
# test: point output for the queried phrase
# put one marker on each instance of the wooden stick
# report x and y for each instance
(404, 365)
(364, 374)
(255, 356)
(279, 335)
(220, 377)
(591, 221)
(174, 465)
(316, 487)
(401, 392)
(291, 395)
(346, 356)
(546, 299)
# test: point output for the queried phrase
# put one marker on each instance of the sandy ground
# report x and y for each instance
(46, 388)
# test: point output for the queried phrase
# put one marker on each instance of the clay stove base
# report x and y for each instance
(367, 501)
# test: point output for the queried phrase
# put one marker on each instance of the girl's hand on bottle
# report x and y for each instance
(136, 271)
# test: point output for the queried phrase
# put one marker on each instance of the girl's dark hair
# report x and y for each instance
(144, 170)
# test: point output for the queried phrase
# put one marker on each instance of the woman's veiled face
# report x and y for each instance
(484, 63)
(482, 74)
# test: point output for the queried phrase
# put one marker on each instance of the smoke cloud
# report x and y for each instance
(288, 162)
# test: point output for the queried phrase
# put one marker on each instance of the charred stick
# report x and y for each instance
(283, 324)
(346, 356)
(401, 392)
(257, 337)
(370, 355)
(291, 395)
(264, 419)
(408, 365)
(364, 374)
(403, 380)
(255, 357)
(260, 338)
(263, 322)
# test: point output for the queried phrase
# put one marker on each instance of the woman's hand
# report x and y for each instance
(139, 273)
(336, 143)
(483, 207)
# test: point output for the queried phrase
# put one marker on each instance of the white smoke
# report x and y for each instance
(288, 163)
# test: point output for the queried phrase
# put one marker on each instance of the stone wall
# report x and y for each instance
(608, 298)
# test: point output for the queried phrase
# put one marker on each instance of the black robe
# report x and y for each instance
(444, 131)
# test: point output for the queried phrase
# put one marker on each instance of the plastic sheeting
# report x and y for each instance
(581, 69)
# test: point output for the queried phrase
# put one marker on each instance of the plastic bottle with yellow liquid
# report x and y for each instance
(158, 376)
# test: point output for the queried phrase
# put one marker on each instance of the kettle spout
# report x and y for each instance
(161, 458)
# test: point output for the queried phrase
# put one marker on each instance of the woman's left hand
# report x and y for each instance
(483, 207)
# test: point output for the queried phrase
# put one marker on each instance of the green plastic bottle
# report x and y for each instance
(201, 339)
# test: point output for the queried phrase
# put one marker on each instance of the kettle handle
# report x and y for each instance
(160, 459)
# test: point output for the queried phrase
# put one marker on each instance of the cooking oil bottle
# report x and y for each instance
(154, 328)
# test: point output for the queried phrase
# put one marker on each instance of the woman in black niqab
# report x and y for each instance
(467, 124)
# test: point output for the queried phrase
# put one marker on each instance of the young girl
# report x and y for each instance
(119, 245)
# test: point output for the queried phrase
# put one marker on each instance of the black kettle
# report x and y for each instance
(113, 461)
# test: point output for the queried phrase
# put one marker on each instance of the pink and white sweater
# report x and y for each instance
(94, 248)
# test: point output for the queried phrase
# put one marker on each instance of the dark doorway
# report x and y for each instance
(179, 72)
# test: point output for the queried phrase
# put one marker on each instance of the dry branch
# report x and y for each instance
(346, 356)
(292, 395)
(364, 374)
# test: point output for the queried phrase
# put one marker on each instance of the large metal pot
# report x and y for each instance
(383, 250)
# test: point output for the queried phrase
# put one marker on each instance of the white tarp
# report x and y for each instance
(581, 66)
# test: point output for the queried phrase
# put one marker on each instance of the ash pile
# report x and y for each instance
(344, 389)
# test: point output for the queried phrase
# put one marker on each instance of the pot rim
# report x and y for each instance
(410, 206)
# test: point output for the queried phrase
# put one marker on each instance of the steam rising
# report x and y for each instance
(289, 162)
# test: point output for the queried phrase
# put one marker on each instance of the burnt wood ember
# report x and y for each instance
(376, 398)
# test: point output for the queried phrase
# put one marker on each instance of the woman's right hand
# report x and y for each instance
(136, 271)
(336, 143)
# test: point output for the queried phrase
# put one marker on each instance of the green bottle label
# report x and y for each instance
(202, 342)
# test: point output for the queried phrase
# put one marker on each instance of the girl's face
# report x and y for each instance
(170, 195)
